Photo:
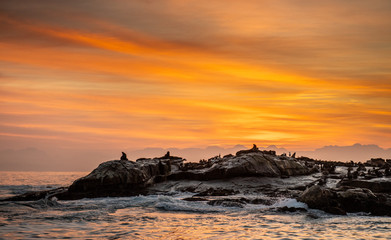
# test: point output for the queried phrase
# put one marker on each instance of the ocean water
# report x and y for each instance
(165, 217)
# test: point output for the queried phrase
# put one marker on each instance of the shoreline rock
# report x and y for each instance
(249, 173)
(119, 178)
(377, 186)
(342, 200)
(127, 178)
(246, 163)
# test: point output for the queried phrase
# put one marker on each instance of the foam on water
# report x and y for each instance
(170, 203)
(289, 202)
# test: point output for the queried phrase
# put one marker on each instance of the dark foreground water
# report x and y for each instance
(165, 217)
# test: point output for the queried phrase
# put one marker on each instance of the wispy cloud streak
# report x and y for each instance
(297, 73)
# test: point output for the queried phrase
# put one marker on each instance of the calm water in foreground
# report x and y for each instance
(165, 217)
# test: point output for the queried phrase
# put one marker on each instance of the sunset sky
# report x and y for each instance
(89, 75)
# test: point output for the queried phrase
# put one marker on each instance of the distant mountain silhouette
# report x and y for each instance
(32, 159)
(356, 152)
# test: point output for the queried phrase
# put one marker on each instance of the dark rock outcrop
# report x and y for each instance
(195, 199)
(291, 209)
(208, 181)
(375, 186)
(227, 203)
(118, 178)
(252, 163)
(216, 192)
(127, 178)
(33, 196)
(343, 200)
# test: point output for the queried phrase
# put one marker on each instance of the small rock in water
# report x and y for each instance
(262, 201)
(216, 192)
(226, 203)
(291, 209)
(194, 199)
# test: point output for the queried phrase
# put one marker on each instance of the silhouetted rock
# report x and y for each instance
(195, 199)
(291, 209)
(118, 178)
(227, 203)
(376, 162)
(387, 171)
(262, 201)
(169, 173)
(123, 178)
(245, 164)
(127, 178)
(216, 192)
(361, 167)
(328, 167)
(33, 196)
(373, 185)
(342, 200)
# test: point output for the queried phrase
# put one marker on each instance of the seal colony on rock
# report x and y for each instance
(250, 171)
(127, 178)
(117, 178)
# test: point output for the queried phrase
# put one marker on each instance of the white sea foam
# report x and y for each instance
(175, 204)
(289, 202)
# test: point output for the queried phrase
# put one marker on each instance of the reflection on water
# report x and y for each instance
(132, 218)
(39, 178)
(170, 217)
(14, 183)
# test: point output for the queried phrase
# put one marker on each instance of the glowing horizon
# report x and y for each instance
(120, 74)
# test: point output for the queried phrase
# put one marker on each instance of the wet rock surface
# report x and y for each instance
(128, 178)
(118, 178)
(291, 209)
(246, 163)
(346, 199)
(227, 203)
(39, 195)
(217, 192)
(376, 185)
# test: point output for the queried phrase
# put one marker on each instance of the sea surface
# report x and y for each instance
(165, 216)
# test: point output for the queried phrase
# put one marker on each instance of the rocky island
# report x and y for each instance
(248, 177)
